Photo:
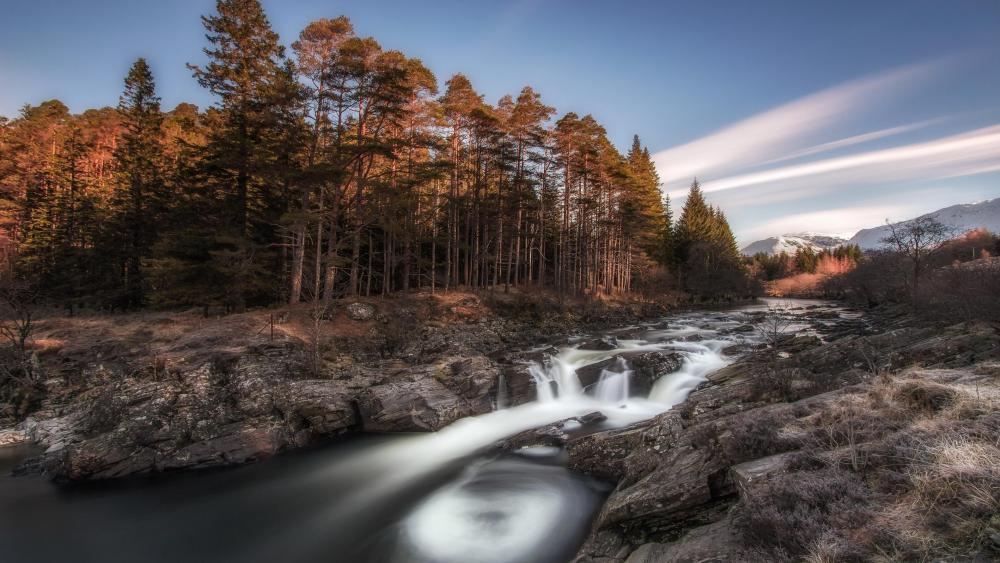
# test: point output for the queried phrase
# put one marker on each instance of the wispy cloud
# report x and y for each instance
(784, 129)
(855, 140)
(966, 153)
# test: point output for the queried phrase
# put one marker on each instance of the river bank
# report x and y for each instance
(876, 444)
(535, 410)
(153, 392)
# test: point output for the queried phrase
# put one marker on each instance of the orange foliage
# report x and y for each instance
(806, 284)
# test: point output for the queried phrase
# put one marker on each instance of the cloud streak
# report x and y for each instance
(966, 153)
(772, 134)
(855, 140)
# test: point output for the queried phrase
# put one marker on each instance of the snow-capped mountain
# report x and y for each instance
(962, 218)
(792, 243)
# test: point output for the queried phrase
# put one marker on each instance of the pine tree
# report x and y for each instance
(139, 201)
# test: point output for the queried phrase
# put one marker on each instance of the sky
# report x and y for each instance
(819, 116)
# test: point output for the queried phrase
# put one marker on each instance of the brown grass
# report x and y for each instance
(908, 469)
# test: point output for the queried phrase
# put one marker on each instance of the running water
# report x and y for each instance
(440, 497)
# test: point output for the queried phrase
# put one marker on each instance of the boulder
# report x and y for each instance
(747, 473)
(317, 409)
(599, 344)
(591, 373)
(717, 542)
(360, 311)
(647, 367)
(521, 385)
(411, 406)
(555, 434)
(12, 437)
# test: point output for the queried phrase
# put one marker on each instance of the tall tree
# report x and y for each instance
(139, 200)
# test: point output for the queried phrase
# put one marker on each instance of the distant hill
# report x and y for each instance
(962, 218)
(791, 243)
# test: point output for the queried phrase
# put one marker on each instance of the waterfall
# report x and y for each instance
(613, 385)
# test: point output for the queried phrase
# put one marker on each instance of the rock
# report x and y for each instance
(555, 434)
(713, 543)
(591, 373)
(599, 344)
(411, 406)
(360, 311)
(693, 338)
(737, 349)
(12, 437)
(317, 409)
(743, 329)
(744, 474)
(474, 379)
(647, 367)
(521, 385)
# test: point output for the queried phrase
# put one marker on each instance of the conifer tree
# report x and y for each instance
(139, 201)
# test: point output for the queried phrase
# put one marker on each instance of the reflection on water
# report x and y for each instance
(423, 498)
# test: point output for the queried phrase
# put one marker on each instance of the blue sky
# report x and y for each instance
(890, 103)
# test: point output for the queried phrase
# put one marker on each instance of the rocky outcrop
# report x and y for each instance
(430, 397)
(233, 410)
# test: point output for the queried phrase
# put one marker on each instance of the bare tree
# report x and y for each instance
(772, 325)
(19, 380)
(917, 241)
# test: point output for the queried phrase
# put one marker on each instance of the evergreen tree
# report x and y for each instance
(139, 202)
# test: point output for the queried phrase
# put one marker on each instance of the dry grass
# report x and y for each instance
(908, 469)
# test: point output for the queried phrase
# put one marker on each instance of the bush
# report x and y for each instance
(791, 515)
(756, 435)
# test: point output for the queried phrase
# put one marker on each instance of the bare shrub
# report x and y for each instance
(21, 389)
(755, 435)
(961, 293)
(771, 326)
(790, 515)
(923, 395)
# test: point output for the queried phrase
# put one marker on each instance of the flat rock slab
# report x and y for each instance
(11, 437)
(712, 543)
(749, 473)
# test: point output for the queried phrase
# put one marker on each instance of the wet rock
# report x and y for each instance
(600, 344)
(234, 409)
(555, 434)
(647, 367)
(475, 379)
(737, 349)
(521, 385)
(360, 311)
(410, 406)
(693, 338)
(590, 374)
(713, 543)
(317, 409)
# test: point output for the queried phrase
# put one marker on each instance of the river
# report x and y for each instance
(443, 497)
